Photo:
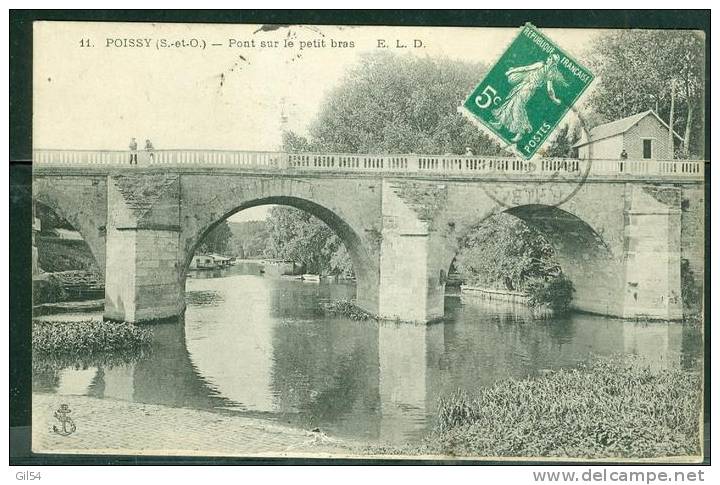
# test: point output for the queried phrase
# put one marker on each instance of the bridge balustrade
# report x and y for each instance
(344, 162)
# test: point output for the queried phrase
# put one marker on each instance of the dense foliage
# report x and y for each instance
(505, 253)
(561, 145)
(296, 235)
(555, 293)
(55, 254)
(401, 104)
(217, 241)
(249, 239)
(87, 337)
(616, 408)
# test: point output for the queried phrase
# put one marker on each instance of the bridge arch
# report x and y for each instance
(580, 250)
(82, 203)
(81, 245)
(363, 265)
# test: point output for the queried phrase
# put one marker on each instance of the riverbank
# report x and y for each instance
(117, 427)
(492, 294)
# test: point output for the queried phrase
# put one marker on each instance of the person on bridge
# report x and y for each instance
(133, 151)
(149, 148)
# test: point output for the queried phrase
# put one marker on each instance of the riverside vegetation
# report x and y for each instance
(87, 337)
(609, 408)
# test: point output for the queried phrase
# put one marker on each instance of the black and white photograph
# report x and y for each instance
(369, 241)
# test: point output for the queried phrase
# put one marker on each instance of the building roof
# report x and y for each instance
(617, 127)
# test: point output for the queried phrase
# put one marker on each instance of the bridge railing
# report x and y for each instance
(343, 162)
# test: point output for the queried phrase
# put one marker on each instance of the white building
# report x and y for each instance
(644, 136)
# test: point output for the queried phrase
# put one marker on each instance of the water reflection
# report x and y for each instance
(259, 346)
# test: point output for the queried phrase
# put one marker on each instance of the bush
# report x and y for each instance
(611, 408)
(504, 252)
(556, 294)
(87, 337)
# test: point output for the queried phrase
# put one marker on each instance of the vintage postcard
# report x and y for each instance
(368, 241)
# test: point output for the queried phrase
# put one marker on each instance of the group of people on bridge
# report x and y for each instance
(134, 149)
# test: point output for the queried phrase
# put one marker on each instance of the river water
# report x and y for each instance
(259, 346)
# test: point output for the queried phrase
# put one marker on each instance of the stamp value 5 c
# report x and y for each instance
(528, 91)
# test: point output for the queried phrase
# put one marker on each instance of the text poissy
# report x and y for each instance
(126, 42)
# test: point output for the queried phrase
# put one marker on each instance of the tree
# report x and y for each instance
(294, 143)
(561, 145)
(401, 104)
(297, 235)
(217, 240)
(662, 70)
(250, 238)
(505, 253)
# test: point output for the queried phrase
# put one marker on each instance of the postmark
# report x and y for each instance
(541, 181)
(527, 92)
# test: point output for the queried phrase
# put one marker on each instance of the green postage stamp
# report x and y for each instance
(528, 91)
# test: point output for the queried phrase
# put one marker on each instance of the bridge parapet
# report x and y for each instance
(469, 166)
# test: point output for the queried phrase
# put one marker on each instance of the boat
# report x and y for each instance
(311, 278)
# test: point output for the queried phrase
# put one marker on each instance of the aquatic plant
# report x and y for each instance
(87, 337)
(609, 408)
(346, 308)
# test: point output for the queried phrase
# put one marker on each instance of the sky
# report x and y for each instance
(221, 97)
(227, 96)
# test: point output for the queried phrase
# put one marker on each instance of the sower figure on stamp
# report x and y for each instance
(149, 149)
(512, 114)
(133, 151)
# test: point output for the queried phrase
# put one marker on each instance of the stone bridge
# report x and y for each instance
(620, 228)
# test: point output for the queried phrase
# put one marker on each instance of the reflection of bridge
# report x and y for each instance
(373, 380)
(619, 227)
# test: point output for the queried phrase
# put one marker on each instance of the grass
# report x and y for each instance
(86, 338)
(611, 408)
